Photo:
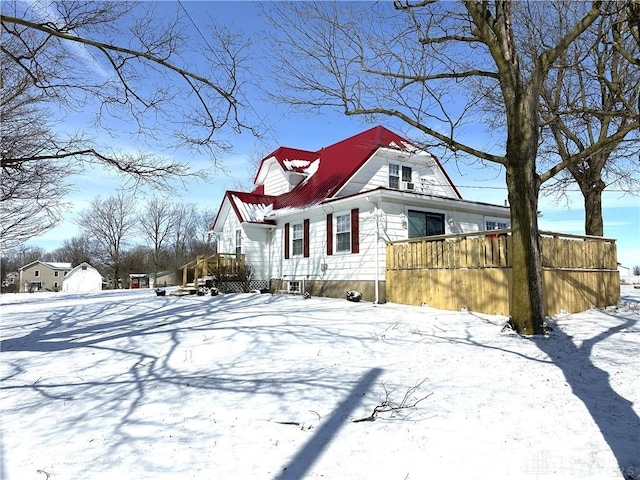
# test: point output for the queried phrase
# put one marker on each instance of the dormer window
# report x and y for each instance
(406, 174)
(394, 175)
(400, 178)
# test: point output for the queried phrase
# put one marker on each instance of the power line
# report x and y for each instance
(240, 93)
(606, 190)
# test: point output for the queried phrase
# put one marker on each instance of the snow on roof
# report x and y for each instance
(296, 165)
(251, 208)
(58, 265)
(51, 265)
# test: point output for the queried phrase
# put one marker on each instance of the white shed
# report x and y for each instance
(82, 278)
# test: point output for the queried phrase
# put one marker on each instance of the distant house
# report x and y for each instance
(624, 271)
(41, 276)
(138, 280)
(319, 221)
(82, 278)
(165, 279)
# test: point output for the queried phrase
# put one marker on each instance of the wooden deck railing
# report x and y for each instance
(491, 249)
(204, 266)
(473, 270)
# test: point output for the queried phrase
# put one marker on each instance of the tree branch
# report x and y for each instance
(50, 30)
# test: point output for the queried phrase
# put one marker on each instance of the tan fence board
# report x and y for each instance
(474, 272)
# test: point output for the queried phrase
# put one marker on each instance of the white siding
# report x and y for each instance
(426, 176)
(340, 265)
(254, 244)
(457, 220)
(254, 247)
(227, 240)
(392, 225)
(275, 182)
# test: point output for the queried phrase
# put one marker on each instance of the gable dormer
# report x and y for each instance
(417, 171)
(284, 169)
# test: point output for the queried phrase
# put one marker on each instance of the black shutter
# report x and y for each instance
(355, 231)
(329, 234)
(286, 240)
(305, 238)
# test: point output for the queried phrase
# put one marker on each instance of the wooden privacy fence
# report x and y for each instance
(474, 271)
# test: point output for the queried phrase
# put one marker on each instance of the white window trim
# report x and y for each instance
(394, 176)
(237, 248)
(408, 169)
(300, 239)
(336, 232)
(497, 220)
(293, 286)
(435, 211)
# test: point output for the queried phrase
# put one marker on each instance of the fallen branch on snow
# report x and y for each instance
(390, 406)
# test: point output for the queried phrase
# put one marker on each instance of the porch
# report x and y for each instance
(216, 265)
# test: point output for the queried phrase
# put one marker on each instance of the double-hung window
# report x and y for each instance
(394, 175)
(343, 233)
(406, 174)
(238, 241)
(297, 239)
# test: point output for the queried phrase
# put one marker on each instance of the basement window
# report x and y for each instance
(294, 286)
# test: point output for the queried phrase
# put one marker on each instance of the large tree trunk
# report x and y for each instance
(527, 295)
(593, 223)
(523, 184)
(589, 178)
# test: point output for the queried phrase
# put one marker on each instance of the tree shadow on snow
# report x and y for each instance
(131, 350)
(612, 413)
(313, 449)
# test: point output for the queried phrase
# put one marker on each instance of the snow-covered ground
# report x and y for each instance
(128, 385)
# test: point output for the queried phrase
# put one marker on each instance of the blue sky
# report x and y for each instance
(306, 131)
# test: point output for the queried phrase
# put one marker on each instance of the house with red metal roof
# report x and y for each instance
(318, 221)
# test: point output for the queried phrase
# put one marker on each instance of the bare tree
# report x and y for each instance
(144, 76)
(591, 94)
(12, 260)
(185, 230)
(157, 222)
(111, 222)
(422, 64)
(137, 259)
(76, 250)
(31, 194)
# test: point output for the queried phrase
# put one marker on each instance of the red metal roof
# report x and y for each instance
(337, 164)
